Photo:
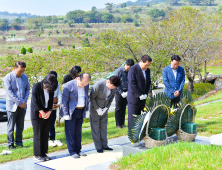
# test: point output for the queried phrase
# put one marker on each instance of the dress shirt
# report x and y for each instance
(174, 72)
(46, 94)
(81, 97)
(144, 73)
(19, 85)
(108, 92)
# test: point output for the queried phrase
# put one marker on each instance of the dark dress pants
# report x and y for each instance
(174, 102)
(135, 109)
(52, 126)
(15, 118)
(120, 110)
(41, 135)
(73, 130)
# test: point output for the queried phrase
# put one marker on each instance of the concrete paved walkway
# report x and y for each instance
(31, 164)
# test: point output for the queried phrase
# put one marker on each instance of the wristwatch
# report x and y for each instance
(50, 110)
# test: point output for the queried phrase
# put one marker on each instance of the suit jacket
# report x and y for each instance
(137, 84)
(38, 100)
(98, 96)
(13, 99)
(70, 99)
(172, 84)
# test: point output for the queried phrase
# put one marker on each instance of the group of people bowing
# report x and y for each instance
(130, 86)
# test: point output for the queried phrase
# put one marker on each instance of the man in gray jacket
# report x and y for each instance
(17, 93)
(101, 97)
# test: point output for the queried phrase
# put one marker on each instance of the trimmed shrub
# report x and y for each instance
(23, 50)
(200, 89)
(49, 48)
(39, 34)
(90, 34)
(30, 50)
(86, 25)
(73, 46)
(136, 23)
(59, 42)
(11, 35)
(86, 42)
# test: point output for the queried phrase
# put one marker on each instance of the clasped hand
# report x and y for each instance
(101, 111)
(124, 94)
(23, 105)
(45, 115)
(143, 97)
(177, 93)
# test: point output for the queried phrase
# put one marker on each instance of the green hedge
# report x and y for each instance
(200, 89)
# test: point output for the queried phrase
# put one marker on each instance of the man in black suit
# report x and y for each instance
(138, 87)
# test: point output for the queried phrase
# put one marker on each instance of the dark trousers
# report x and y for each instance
(120, 110)
(41, 135)
(174, 102)
(99, 129)
(73, 130)
(15, 118)
(52, 126)
(134, 109)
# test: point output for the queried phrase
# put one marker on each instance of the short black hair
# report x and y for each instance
(175, 57)
(129, 62)
(82, 74)
(54, 73)
(50, 82)
(75, 70)
(115, 80)
(20, 63)
(145, 58)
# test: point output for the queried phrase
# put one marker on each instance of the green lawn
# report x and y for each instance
(214, 70)
(215, 96)
(28, 133)
(181, 155)
(209, 119)
(22, 153)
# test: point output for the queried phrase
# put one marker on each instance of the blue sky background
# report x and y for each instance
(52, 7)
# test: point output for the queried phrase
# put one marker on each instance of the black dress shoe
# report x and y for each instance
(119, 127)
(123, 126)
(46, 157)
(100, 151)
(10, 147)
(108, 149)
(40, 158)
(81, 154)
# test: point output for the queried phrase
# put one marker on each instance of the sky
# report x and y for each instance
(52, 7)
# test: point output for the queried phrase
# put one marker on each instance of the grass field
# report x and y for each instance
(214, 97)
(176, 156)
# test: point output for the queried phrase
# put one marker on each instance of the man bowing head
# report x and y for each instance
(74, 107)
(138, 87)
(101, 97)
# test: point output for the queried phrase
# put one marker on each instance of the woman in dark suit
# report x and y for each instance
(41, 107)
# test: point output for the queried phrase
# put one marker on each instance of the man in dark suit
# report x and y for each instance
(138, 87)
(74, 107)
(121, 93)
(174, 80)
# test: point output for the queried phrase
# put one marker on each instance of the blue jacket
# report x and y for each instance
(70, 99)
(172, 85)
(137, 85)
(13, 99)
